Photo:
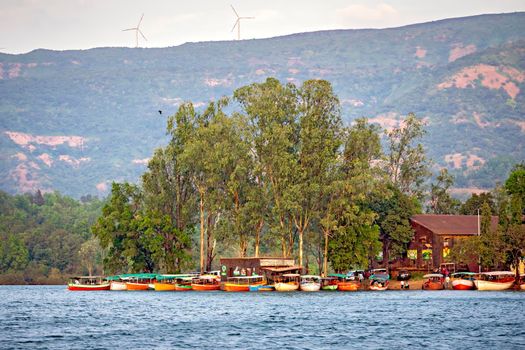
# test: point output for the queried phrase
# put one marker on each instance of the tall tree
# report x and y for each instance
(440, 200)
(407, 165)
(474, 203)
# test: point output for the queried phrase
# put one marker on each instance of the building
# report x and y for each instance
(434, 236)
(270, 267)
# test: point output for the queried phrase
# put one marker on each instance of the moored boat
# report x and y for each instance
(310, 283)
(88, 283)
(345, 283)
(379, 282)
(495, 280)
(463, 281)
(140, 281)
(288, 282)
(118, 285)
(329, 283)
(243, 283)
(435, 281)
(262, 288)
(522, 282)
(206, 283)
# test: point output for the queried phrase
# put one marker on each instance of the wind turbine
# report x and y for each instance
(137, 31)
(238, 23)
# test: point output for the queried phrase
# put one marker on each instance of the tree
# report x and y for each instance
(474, 203)
(407, 165)
(440, 200)
(515, 184)
(88, 253)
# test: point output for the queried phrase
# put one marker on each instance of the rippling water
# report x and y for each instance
(52, 317)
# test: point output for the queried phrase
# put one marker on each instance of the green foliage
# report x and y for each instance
(41, 236)
(440, 200)
(474, 203)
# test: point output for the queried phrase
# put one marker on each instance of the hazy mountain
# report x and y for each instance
(76, 120)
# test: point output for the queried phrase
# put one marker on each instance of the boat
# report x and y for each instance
(118, 285)
(379, 282)
(288, 282)
(522, 282)
(243, 283)
(495, 280)
(463, 281)
(345, 283)
(86, 283)
(329, 283)
(262, 288)
(206, 282)
(140, 281)
(435, 281)
(310, 283)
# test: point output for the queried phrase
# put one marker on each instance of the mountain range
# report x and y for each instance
(74, 121)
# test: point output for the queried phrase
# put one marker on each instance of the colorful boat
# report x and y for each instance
(435, 281)
(522, 282)
(310, 283)
(495, 280)
(463, 281)
(346, 283)
(262, 288)
(379, 282)
(329, 283)
(243, 283)
(206, 283)
(88, 283)
(288, 282)
(118, 285)
(140, 281)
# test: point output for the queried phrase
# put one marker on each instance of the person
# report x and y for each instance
(447, 281)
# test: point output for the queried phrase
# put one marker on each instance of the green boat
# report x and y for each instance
(329, 283)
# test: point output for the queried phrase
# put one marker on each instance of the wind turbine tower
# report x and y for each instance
(137, 31)
(238, 23)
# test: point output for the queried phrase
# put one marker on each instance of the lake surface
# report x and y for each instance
(50, 317)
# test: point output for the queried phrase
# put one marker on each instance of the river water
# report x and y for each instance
(50, 317)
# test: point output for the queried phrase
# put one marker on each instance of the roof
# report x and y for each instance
(281, 269)
(430, 275)
(498, 273)
(450, 224)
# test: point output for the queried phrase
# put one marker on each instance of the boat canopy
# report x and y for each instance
(337, 275)
(463, 274)
(380, 277)
(291, 275)
(430, 275)
(498, 273)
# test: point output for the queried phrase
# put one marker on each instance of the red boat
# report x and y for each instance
(87, 283)
(463, 280)
(206, 282)
(435, 281)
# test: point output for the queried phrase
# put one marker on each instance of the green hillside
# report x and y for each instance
(76, 120)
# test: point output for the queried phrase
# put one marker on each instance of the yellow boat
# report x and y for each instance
(164, 286)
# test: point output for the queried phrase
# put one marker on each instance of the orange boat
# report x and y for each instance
(206, 282)
(435, 281)
(140, 281)
(137, 286)
(243, 283)
(348, 286)
(164, 286)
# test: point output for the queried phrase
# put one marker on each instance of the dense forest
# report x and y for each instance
(278, 174)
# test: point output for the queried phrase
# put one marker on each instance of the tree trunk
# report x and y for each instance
(201, 207)
(300, 247)
(258, 236)
(325, 257)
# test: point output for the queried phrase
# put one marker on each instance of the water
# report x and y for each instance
(42, 317)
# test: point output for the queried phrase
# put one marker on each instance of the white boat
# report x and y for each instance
(310, 283)
(118, 285)
(495, 280)
(288, 282)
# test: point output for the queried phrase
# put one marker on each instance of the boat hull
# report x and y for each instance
(262, 288)
(232, 287)
(310, 287)
(378, 287)
(286, 287)
(330, 287)
(87, 287)
(433, 286)
(164, 287)
(137, 286)
(347, 286)
(182, 287)
(462, 285)
(205, 287)
(488, 285)
(522, 286)
(115, 285)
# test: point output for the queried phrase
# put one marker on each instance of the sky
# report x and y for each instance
(82, 24)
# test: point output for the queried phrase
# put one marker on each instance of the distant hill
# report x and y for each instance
(76, 120)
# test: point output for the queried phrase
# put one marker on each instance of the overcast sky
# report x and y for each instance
(81, 24)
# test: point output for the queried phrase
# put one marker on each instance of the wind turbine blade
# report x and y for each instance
(142, 35)
(235, 25)
(140, 21)
(236, 14)
(125, 30)
(246, 17)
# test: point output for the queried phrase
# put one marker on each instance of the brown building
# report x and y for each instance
(434, 237)
(270, 267)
